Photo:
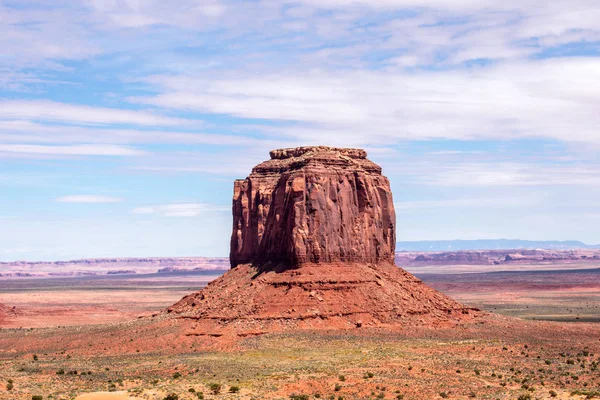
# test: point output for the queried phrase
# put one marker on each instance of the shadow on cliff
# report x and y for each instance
(277, 267)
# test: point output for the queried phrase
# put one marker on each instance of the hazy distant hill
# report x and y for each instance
(490, 244)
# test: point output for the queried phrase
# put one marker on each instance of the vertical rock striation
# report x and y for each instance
(312, 205)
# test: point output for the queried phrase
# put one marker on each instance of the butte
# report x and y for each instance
(313, 247)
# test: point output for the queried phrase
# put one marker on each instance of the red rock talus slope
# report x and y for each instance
(313, 247)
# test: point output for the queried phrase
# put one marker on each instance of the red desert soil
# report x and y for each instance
(47, 302)
(106, 396)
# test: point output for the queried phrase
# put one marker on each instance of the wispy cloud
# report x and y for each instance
(470, 202)
(44, 110)
(537, 99)
(83, 198)
(74, 150)
(180, 209)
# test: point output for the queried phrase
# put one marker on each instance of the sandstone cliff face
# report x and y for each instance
(313, 247)
(312, 205)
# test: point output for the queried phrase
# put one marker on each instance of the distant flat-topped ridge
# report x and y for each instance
(316, 157)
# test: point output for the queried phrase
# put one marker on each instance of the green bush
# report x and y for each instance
(299, 397)
(176, 375)
(9, 385)
(337, 388)
(215, 388)
(342, 378)
(234, 389)
(525, 396)
(36, 397)
(171, 396)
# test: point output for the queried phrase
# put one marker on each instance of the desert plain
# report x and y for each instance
(107, 337)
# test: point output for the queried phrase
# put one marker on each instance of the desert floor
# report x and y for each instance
(81, 338)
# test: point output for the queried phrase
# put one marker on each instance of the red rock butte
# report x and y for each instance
(313, 247)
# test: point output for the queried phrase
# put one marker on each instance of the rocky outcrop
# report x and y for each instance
(311, 205)
(313, 247)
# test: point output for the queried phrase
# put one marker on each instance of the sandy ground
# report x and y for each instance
(46, 302)
(122, 395)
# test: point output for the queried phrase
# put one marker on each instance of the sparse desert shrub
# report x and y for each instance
(477, 372)
(342, 378)
(36, 397)
(60, 372)
(337, 387)
(215, 388)
(176, 375)
(10, 385)
(200, 395)
(234, 389)
(444, 395)
(525, 396)
(171, 396)
(299, 397)
(192, 390)
(400, 397)
(553, 393)
(368, 375)
(35, 357)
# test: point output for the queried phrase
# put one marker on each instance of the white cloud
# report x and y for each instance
(553, 99)
(88, 199)
(71, 150)
(180, 209)
(497, 174)
(45, 110)
(31, 132)
(483, 202)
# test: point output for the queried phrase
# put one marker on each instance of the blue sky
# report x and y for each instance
(124, 122)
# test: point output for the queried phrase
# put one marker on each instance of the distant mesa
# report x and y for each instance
(312, 246)
(492, 244)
